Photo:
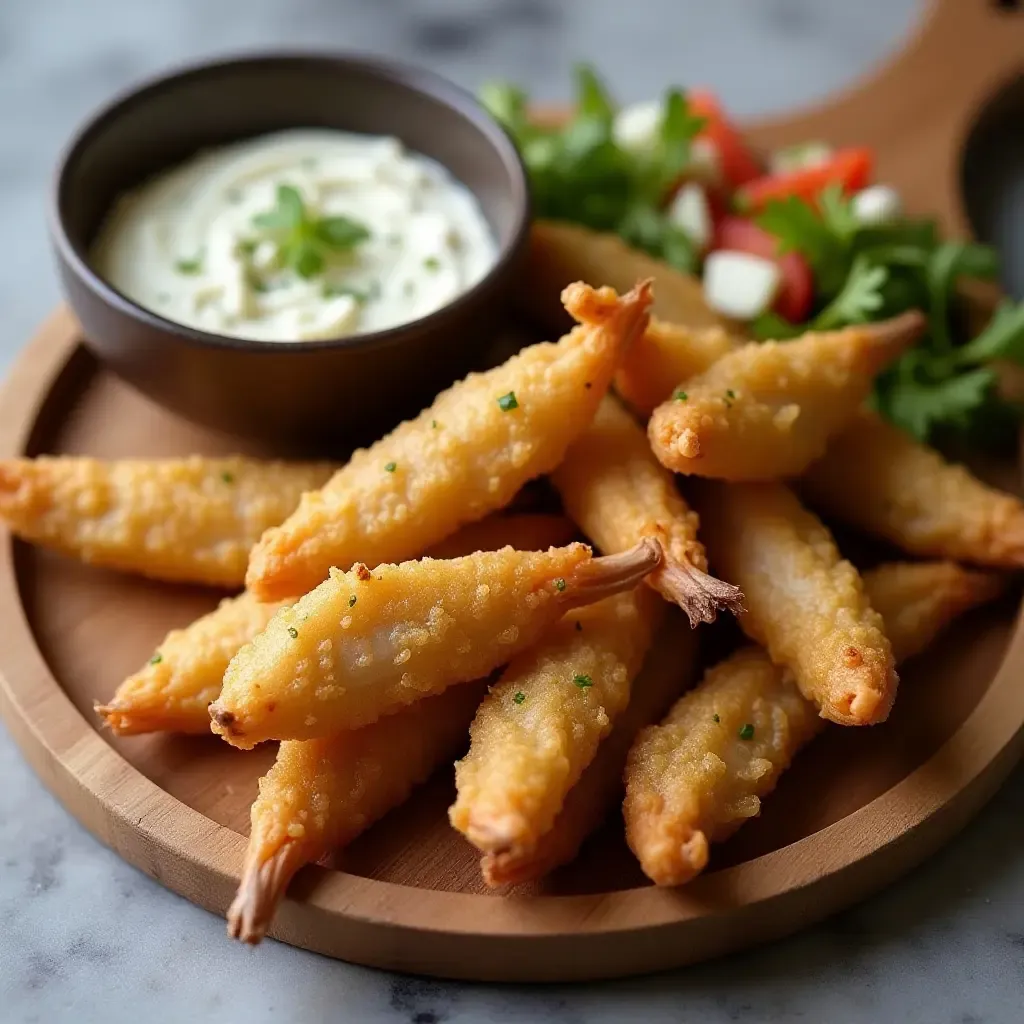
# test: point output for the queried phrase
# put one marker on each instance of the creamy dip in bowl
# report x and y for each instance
(298, 249)
(296, 236)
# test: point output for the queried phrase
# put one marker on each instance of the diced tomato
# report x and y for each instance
(739, 165)
(850, 168)
(796, 293)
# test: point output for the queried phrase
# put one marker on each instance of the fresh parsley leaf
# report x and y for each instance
(770, 326)
(1003, 338)
(304, 257)
(506, 103)
(919, 405)
(341, 232)
(860, 297)
(289, 212)
(949, 261)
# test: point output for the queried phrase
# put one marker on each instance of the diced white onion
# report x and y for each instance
(877, 204)
(689, 211)
(740, 285)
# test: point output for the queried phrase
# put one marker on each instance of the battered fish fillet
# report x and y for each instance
(600, 786)
(805, 605)
(877, 478)
(541, 724)
(174, 690)
(321, 794)
(562, 252)
(664, 355)
(172, 693)
(614, 488)
(363, 644)
(189, 520)
(465, 456)
(697, 777)
(766, 411)
(917, 600)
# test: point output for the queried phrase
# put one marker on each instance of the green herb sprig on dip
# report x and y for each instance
(303, 241)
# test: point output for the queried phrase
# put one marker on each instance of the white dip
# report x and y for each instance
(298, 235)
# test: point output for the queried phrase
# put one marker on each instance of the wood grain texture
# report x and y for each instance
(859, 808)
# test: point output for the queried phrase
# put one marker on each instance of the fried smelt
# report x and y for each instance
(600, 786)
(700, 774)
(363, 644)
(767, 411)
(665, 355)
(542, 722)
(805, 605)
(917, 600)
(697, 777)
(879, 479)
(321, 794)
(561, 253)
(188, 520)
(172, 693)
(174, 690)
(465, 456)
(614, 488)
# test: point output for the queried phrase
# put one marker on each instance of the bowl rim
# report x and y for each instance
(410, 76)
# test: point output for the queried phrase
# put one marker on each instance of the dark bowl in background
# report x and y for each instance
(312, 393)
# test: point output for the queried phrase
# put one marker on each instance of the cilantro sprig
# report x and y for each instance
(946, 384)
(304, 242)
(579, 172)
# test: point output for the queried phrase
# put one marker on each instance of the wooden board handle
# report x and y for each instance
(917, 110)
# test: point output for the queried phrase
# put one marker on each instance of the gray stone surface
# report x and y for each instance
(86, 937)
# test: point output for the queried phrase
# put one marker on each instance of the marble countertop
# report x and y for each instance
(85, 936)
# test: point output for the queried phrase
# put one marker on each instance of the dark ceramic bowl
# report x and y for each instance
(309, 393)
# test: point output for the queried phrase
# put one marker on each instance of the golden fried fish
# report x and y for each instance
(614, 488)
(805, 604)
(190, 520)
(465, 456)
(765, 411)
(365, 643)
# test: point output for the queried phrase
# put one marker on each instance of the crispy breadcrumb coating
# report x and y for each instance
(465, 456)
(189, 520)
(699, 775)
(767, 410)
(805, 605)
(879, 479)
(614, 488)
(364, 643)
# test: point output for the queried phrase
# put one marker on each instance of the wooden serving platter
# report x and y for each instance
(859, 808)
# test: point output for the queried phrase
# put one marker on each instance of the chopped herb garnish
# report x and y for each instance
(559, 584)
(248, 246)
(680, 395)
(716, 719)
(519, 697)
(746, 732)
(336, 291)
(579, 626)
(730, 393)
(508, 402)
(433, 424)
(352, 601)
(156, 659)
(304, 241)
(390, 467)
(293, 632)
(228, 478)
(583, 681)
(189, 267)
(432, 263)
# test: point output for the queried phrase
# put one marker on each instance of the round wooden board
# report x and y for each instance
(859, 808)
